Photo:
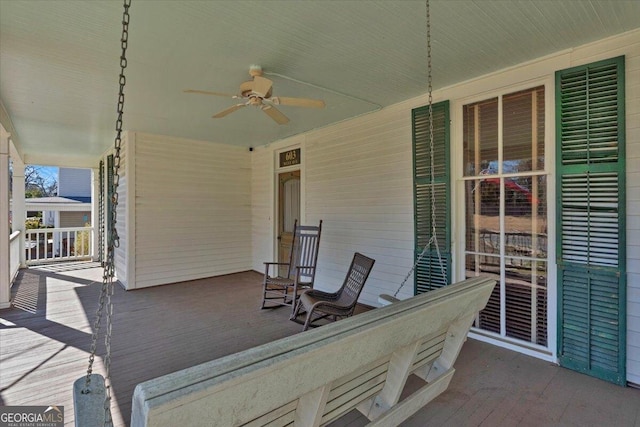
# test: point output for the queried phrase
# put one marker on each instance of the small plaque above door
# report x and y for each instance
(290, 158)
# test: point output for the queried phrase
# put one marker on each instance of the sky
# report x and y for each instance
(49, 173)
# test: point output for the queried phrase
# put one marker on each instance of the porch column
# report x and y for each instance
(18, 207)
(95, 212)
(5, 270)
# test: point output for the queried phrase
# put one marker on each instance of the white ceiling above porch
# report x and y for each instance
(59, 61)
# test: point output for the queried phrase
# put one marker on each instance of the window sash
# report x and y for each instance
(518, 307)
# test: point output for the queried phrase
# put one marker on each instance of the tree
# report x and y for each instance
(37, 184)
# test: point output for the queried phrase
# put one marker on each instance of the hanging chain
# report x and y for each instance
(434, 231)
(434, 237)
(112, 236)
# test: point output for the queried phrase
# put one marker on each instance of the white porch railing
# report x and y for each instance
(58, 244)
(14, 254)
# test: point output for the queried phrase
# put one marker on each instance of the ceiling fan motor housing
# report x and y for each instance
(246, 89)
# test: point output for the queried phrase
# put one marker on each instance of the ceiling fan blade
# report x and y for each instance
(206, 92)
(275, 114)
(228, 111)
(298, 102)
(261, 86)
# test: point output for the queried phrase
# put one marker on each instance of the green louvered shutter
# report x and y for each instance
(428, 273)
(591, 243)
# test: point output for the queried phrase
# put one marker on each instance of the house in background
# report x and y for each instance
(63, 215)
(73, 204)
(71, 207)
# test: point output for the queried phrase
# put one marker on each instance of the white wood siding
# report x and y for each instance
(262, 211)
(192, 209)
(121, 253)
(357, 178)
(74, 219)
(359, 182)
(74, 182)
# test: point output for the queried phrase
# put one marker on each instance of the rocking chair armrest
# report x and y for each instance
(267, 265)
(321, 294)
(327, 305)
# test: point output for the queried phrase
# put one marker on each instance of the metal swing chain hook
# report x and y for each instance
(113, 238)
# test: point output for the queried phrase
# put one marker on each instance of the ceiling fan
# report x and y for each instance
(258, 92)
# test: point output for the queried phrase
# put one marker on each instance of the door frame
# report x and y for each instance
(275, 197)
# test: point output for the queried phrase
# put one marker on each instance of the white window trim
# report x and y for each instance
(458, 202)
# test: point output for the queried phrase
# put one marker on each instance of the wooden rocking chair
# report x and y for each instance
(277, 289)
(320, 305)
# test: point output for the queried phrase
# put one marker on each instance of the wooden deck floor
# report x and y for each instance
(45, 337)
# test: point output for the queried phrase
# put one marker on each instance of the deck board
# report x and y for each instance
(44, 343)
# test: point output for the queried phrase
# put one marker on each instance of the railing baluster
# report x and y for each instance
(63, 246)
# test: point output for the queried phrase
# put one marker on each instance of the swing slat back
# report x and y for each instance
(312, 378)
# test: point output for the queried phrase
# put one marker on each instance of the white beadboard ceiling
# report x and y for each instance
(59, 61)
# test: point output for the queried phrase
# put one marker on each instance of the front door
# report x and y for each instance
(288, 212)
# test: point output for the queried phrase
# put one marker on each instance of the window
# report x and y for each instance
(505, 183)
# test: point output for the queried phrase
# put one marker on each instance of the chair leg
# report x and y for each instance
(307, 322)
(296, 311)
(294, 305)
(294, 298)
(264, 285)
(264, 294)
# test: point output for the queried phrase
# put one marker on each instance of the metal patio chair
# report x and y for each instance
(284, 289)
(320, 305)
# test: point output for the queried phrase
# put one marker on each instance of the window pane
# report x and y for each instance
(489, 317)
(480, 138)
(523, 131)
(525, 207)
(483, 215)
(526, 300)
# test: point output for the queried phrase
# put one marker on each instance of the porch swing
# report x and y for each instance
(385, 299)
(92, 392)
